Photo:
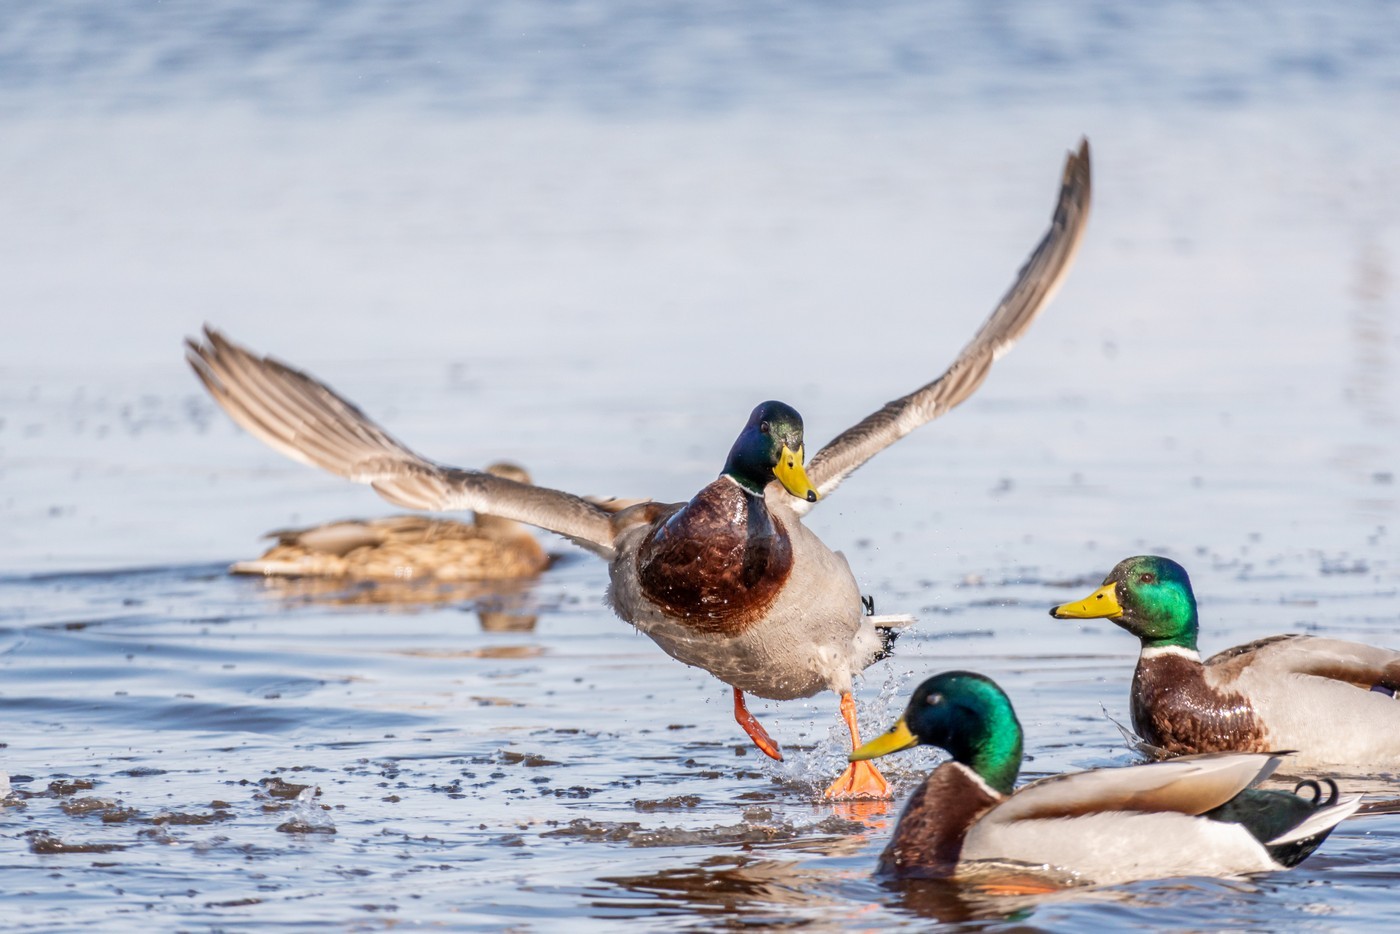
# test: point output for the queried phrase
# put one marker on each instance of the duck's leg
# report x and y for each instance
(861, 779)
(751, 726)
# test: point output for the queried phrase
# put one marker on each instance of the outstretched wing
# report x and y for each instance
(1036, 284)
(306, 420)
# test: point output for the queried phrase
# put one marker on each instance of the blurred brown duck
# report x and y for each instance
(407, 547)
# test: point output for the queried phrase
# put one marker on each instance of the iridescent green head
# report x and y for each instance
(769, 448)
(1149, 596)
(968, 715)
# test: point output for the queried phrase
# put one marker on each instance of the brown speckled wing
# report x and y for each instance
(1036, 284)
(308, 421)
(1364, 666)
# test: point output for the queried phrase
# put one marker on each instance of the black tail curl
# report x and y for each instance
(1318, 800)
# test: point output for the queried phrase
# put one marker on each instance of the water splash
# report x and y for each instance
(306, 815)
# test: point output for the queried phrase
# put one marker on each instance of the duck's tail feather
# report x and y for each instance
(1298, 844)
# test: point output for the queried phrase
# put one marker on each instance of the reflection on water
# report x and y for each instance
(744, 889)
(1007, 899)
(747, 890)
(496, 602)
(495, 621)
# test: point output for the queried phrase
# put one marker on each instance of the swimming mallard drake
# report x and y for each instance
(1328, 700)
(411, 547)
(1190, 816)
(731, 581)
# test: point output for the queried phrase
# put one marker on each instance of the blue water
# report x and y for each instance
(631, 60)
(578, 235)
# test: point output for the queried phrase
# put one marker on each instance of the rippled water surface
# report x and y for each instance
(590, 237)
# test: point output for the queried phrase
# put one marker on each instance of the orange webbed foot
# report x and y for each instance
(861, 780)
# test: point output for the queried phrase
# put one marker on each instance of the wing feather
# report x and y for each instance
(1189, 785)
(1277, 657)
(1035, 285)
(301, 417)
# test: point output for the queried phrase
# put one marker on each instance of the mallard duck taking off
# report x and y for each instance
(731, 581)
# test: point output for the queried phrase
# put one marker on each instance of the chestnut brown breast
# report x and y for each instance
(928, 841)
(718, 563)
(1174, 708)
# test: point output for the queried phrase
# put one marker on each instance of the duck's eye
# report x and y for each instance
(1147, 578)
(934, 700)
(765, 427)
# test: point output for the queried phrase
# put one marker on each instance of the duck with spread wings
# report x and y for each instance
(732, 581)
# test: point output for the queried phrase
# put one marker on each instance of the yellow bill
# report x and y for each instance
(1101, 604)
(896, 739)
(793, 476)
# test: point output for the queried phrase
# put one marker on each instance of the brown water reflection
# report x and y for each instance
(746, 889)
(407, 594)
(389, 592)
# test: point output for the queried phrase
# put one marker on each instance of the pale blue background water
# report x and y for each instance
(590, 236)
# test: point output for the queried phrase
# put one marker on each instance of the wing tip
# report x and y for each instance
(203, 351)
(1076, 186)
